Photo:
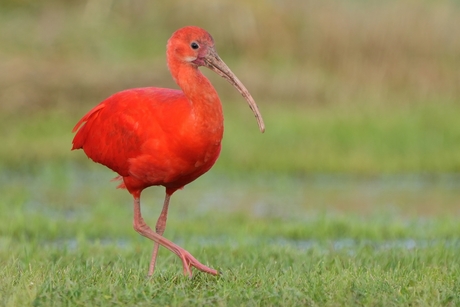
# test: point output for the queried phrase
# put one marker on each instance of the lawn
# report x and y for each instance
(279, 240)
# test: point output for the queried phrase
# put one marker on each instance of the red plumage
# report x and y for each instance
(145, 136)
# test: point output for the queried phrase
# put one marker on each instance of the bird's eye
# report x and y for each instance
(194, 45)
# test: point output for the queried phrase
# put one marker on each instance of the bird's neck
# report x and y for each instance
(206, 105)
(193, 83)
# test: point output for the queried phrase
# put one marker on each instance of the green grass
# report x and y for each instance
(282, 275)
(321, 240)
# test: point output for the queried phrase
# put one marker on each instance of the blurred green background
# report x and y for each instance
(348, 89)
(360, 87)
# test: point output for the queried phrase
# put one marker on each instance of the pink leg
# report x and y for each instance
(160, 229)
(187, 259)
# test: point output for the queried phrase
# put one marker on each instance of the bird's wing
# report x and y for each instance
(121, 127)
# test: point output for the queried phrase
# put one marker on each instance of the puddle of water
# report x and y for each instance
(325, 246)
(351, 244)
(69, 190)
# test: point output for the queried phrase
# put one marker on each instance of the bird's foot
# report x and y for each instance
(189, 261)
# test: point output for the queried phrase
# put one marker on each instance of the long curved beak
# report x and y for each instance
(215, 63)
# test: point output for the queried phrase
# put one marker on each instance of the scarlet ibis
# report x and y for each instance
(163, 137)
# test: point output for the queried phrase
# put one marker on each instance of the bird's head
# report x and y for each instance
(190, 45)
(195, 46)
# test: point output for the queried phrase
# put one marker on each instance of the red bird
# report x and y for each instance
(163, 137)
